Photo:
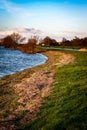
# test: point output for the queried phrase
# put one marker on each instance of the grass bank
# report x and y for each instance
(66, 107)
(20, 93)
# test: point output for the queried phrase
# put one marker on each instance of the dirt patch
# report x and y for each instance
(83, 49)
(31, 90)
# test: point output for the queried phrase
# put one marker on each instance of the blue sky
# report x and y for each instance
(58, 18)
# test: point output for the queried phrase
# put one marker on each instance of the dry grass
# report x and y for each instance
(22, 93)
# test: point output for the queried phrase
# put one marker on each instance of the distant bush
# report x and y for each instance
(30, 47)
(47, 41)
(8, 42)
(74, 42)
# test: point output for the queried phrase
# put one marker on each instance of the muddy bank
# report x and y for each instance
(28, 88)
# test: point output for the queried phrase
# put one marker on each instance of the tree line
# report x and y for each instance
(47, 41)
(74, 42)
(16, 41)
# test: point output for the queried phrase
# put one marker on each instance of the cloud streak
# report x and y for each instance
(14, 9)
(27, 32)
(8, 6)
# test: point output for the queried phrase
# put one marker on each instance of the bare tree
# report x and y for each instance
(30, 47)
(17, 37)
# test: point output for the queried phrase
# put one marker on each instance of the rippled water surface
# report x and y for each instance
(12, 61)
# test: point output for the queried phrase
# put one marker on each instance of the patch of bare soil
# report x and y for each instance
(32, 90)
(83, 49)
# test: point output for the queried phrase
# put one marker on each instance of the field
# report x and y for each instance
(60, 103)
(66, 107)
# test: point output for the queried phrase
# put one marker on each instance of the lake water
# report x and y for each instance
(12, 61)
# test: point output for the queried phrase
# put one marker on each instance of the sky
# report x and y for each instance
(55, 18)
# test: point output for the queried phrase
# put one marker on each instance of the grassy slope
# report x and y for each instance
(65, 108)
(8, 97)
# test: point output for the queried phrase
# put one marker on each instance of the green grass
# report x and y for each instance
(8, 101)
(66, 107)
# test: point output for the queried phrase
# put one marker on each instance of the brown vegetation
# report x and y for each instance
(9, 43)
(30, 47)
(14, 41)
(17, 37)
(29, 88)
(74, 42)
(47, 41)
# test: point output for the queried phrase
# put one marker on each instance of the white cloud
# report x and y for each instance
(67, 34)
(14, 9)
(8, 6)
(26, 32)
(71, 34)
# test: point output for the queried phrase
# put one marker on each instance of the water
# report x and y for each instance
(66, 49)
(12, 61)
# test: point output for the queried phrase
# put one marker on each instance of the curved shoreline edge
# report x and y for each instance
(26, 89)
(21, 68)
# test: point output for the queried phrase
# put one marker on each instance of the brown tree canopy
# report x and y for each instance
(84, 41)
(8, 42)
(17, 37)
(65, 42)
(74, 42)
(47, 41)
(11, 41)
(30, 47)
(79, 42)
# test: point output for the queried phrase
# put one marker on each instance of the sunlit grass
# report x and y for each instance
(66, 107)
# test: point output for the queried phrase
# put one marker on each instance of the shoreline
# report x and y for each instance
(39, 63)
(30, 86)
